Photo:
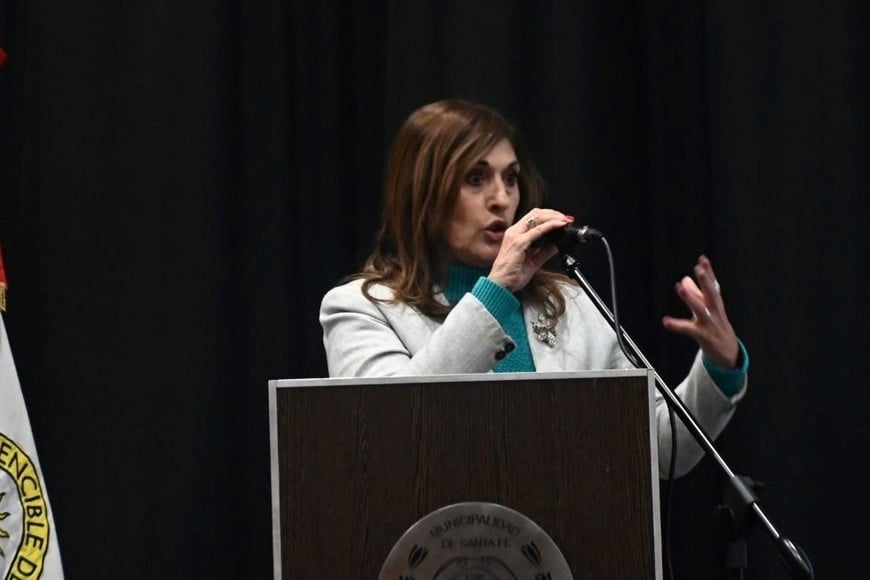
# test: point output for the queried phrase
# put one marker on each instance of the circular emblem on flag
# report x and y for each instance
(475, 540)
(24, 523)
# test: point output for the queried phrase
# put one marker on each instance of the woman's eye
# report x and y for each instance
(476, 178)
(511, 178)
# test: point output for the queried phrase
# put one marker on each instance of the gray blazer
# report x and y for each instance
(364, 339)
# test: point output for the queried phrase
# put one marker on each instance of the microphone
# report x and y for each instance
(567, 237)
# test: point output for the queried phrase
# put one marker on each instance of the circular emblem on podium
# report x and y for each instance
(475, 541)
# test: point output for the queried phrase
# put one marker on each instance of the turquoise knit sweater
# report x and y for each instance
(504, 307)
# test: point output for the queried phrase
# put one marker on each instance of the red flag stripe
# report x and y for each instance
(2, 284)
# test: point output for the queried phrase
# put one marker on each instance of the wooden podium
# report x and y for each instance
(356, 462)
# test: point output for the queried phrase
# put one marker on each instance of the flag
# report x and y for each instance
(28, 539)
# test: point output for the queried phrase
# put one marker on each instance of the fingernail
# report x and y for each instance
(570, 218)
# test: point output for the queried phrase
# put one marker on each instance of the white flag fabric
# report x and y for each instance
(28, 539)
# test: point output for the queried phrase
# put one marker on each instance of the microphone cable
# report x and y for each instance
(633, 360)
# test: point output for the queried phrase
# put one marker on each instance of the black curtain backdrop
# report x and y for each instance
(182, 181)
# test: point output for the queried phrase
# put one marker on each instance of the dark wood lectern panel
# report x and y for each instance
(360, 464)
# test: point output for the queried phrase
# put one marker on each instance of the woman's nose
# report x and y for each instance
(499, 192)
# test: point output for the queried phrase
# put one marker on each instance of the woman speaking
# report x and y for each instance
(455, 283)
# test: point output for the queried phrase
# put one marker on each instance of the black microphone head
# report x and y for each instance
(569, 236)
(586, 233)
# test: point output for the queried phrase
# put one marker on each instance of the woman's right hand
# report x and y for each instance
(517, 259)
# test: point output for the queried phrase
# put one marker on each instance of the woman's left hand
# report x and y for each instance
(709, 324)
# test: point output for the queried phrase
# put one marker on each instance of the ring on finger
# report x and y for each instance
(531, 223)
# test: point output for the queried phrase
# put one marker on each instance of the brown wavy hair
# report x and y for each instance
(433, 151)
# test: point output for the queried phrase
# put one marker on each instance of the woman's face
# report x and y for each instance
(488, 199)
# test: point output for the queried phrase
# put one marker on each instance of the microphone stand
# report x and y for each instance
(791, 556)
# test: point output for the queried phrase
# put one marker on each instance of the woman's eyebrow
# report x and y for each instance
(485, 163)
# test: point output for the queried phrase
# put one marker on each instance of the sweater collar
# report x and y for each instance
(460, 280)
